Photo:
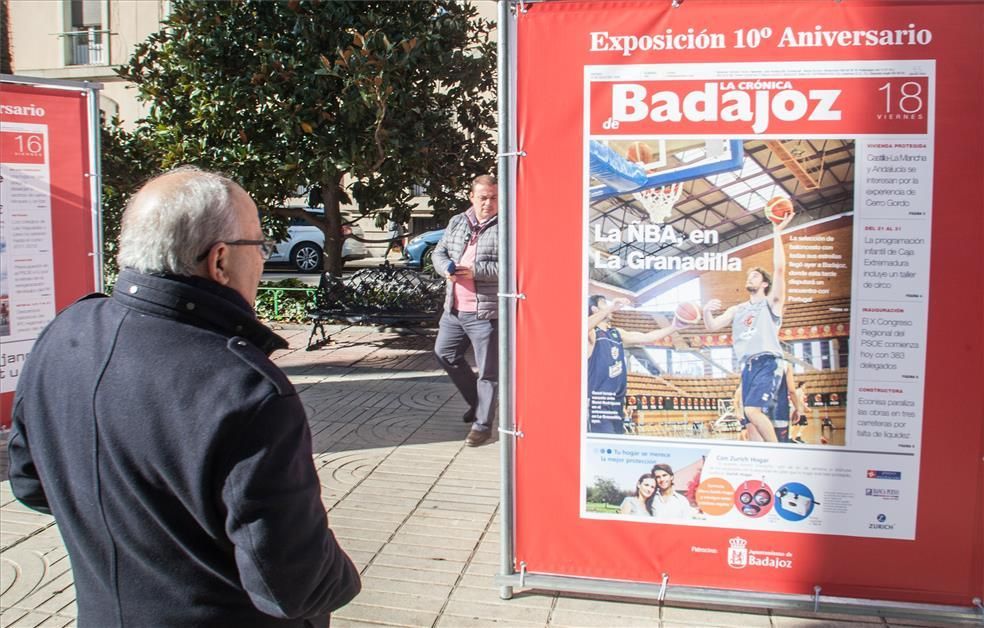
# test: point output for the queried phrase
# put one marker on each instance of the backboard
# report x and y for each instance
(659, 161)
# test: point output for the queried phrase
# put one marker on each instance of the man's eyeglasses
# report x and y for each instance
(267, 247)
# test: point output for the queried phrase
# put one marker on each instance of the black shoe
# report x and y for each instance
(477, 437)
(468, 417)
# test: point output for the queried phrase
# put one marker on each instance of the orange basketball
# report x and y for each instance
(688, 313)
(639, 152)
(778, 208)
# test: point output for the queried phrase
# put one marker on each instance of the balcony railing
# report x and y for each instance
(86, 47)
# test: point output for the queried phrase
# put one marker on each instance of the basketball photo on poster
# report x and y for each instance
(719, 293)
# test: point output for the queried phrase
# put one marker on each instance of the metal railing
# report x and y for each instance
(86, 46)
(277, 293)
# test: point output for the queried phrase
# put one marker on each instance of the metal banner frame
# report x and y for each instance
(95, 153)
(514, 573)
(66, 288)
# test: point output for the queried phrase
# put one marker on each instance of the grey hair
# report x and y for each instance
(168, 231)
(484, 179)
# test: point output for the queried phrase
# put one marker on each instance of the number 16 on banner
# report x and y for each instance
(22, 147)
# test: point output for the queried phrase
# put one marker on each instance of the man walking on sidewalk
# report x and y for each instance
(468, 256)
(173, 454)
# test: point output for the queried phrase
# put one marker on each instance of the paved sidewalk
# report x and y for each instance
(416, 510)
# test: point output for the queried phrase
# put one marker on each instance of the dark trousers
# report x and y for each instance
(456, 331)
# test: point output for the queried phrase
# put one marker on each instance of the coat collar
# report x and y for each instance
(475, 224)
(196, 301)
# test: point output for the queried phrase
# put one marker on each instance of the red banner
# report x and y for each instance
(885, 500)
(47, 245)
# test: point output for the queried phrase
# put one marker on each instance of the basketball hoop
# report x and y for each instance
(658, 202)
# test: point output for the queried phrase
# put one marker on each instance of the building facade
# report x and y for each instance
(84, 40)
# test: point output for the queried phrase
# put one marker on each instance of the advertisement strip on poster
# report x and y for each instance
(783, 431)
(47, 213)
(656, 379)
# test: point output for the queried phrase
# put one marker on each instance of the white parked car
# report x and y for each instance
(304, 246)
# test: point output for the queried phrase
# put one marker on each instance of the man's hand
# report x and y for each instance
(779, 226)
(715, 322)
(464, 272)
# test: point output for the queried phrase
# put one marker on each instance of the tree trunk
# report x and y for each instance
(332, 228)
(6, 60)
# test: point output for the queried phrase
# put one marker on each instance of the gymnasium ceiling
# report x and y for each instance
(731, 203)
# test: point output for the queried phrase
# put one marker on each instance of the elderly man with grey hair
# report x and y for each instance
(174, 455)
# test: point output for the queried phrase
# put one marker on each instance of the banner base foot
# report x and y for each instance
(727, 599)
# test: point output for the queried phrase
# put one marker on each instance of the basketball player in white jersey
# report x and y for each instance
(755, 332)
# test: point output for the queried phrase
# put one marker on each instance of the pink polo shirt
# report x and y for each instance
(464, 289)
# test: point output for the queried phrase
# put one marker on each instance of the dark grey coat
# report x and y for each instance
(176, 459)
(452, 246)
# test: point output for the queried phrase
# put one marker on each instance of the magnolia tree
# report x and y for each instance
(128, 160)
(363, 100)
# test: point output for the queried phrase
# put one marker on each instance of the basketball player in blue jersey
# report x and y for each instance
(607, 367)
(755, 333)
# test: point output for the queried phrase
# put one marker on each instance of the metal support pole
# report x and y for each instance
(506, 305)
(725, 599)
(95, 182)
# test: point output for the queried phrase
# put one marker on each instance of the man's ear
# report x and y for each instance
(217, 264)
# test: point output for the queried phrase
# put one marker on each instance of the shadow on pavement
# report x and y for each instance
(369, 408)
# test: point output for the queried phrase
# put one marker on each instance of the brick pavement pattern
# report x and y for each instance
(416, 510)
